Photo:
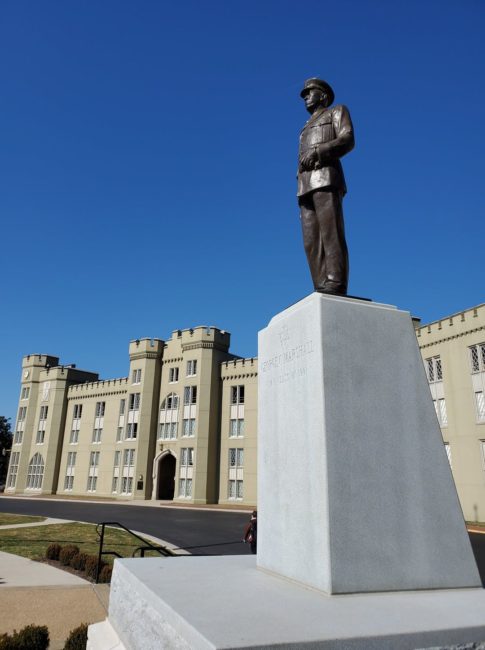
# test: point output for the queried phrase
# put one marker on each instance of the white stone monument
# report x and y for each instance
(361, 542)
(355, 492)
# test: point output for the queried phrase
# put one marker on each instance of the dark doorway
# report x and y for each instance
(166, 478)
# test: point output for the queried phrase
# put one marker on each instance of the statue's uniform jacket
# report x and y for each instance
(330, 132)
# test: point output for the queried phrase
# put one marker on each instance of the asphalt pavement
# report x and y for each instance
(201, 532)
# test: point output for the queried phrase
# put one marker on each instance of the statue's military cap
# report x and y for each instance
(321, 85)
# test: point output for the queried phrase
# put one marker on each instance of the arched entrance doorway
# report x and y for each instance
(166, 477)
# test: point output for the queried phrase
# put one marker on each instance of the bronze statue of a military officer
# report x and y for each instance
(326, 137)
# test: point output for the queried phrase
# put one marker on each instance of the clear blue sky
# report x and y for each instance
(148, 157)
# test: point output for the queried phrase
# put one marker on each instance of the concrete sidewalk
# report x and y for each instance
(37, 593)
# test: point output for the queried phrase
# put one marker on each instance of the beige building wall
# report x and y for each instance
(186, 462)
(457, 384)
(239, 432)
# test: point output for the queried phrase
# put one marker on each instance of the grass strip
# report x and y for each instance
(7, 519)
(32, 542)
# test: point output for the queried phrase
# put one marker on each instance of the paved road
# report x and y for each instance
(211, 532)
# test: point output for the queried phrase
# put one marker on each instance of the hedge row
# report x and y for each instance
(70, 555)
(36, 637)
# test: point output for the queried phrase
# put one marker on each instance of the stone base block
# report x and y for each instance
(355, 492)
(226, 602)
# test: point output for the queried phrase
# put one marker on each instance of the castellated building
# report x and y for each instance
(183, 425)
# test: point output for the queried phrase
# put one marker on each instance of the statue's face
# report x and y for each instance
(314, 98)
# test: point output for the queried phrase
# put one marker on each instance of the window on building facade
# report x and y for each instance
(25, 392)
(122, 406)
(237, 394)
(70, 465)
(98, 422)
(76, 424)
(13, 469)
(19, 427)
(188, 428)
(440, 408)
(39, 439)
(134, 401)
(480, 405)
(236, 428)
(116, 471)
(477, 357)
(186, 469)
(35, 472)
(100, 408)
(448, 452)
(434, 369)
(168, 420)
(477, 362)
(191, 368)
(131, 430)
(190, 395)
(173, 375)
(171, 402)
(127, 471)
(93, 471)
(136, 376)
(167, 431)
(236, 476)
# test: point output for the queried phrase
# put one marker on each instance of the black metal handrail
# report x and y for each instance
(147, 546)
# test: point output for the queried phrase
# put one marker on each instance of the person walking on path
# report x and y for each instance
(251, 531)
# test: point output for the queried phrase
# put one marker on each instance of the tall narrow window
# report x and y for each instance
(434, 369)
(237, 394)
(98, 422)
(35, 472)
(186, 472)
(173, 375)
(191, 368)
(25, 392)
(168, 421)
(116, 471)
(440, 408)
(42, 425)
(190, 395)
(93, 471)
(76, 424)
(13, 469)
(70, 465)
(480, 405)
(20, 426)
(236, 473)
(128, 471)
(136, 377)
(133, 407)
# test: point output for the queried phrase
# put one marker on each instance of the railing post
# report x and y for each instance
(101, 541)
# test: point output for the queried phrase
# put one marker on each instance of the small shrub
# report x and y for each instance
(78, 561)
(33, 637)
(105, 574)
(77, 638)
(52, 551)
(91, 565)
(67, 553)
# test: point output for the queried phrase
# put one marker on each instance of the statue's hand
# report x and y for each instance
(308, 160)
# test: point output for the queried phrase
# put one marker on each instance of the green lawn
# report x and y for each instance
(32, 542)
(18, 519)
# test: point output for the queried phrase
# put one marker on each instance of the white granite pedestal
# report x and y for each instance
(355, 492)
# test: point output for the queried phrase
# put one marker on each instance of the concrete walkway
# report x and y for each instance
(39, 594)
